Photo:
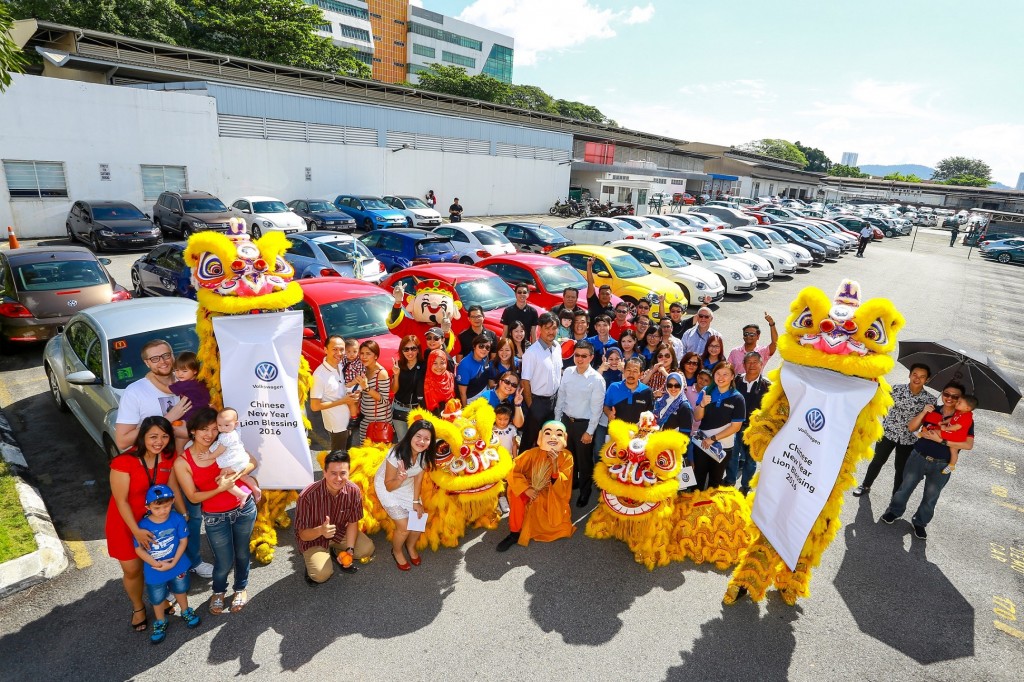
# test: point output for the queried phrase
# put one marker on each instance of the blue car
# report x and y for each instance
(370, 213)
(162, 272)
(404, 247)
(329, 254)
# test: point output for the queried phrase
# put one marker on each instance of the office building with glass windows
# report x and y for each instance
(399, 40)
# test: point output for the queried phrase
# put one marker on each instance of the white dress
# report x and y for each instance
(234, 457)
(398, 502)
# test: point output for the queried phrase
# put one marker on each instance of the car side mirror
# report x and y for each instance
(532, 288)
(87, 219)
(105, 261)
(245, 210)
(83, 378)
(309, 333)
(147, 215)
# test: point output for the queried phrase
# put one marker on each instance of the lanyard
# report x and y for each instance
(156, 470)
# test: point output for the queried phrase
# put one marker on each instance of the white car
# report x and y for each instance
(736, 277)
(415, 210)
(704, 221)
(267, 214)
(599, 231)
(775, 240)
(475, 242)
(783, 262)
(700, 284)
(762, 268)
(650, 227)
(670, 224)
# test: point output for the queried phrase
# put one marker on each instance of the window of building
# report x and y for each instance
(607, 190)
(326, 28)
(341, 8)
(399, 43)
(458, 59)
(625, 195)
(377, 38)
(39, 179)
(446, 36)
(400, 65)
(424, 51)
(157, 179)
(399, 22)
(499, 63)
(426, 14)
(364, 57)
(416, 68)
(599, 152)
(355, 33)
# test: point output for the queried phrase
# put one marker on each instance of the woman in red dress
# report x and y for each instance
(147, 463)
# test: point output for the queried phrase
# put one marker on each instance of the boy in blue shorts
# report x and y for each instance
(166, 566)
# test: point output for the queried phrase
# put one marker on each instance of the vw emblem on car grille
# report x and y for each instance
(72, 303)
(266, 371)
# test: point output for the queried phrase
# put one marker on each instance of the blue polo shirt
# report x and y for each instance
(472, 374)
(629, 404)
(600, 347)
(491, 396)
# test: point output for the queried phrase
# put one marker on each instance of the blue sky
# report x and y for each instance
(898, 81)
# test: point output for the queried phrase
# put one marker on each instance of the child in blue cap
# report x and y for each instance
(166, 569)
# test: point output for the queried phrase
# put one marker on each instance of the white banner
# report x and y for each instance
(259, 377)
(801, 464)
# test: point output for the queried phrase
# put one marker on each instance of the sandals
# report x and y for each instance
(217, 604)
(142, 625)
(238, 601)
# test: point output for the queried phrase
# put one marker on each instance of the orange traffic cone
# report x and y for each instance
(12, 239)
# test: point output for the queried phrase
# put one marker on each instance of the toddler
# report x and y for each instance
(955, 428)
(186, 385)
(166, 565)
(231, 455)
(506, 432)
(351, 367)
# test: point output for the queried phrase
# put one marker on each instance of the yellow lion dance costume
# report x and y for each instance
(234, 275)
(845, 336)
(461, 491)
(639, 505)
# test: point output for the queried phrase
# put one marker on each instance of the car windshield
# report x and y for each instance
(375, 204)
(51, 275)
(699, 218)
(426, 247)
(625, 266)
(341, 251)
(359, 317)
(814, 231)
(709, 251)
(729, 246)
(491, 237)
(558, 277)
(649, 224)
(545, 233)
(205, 206)
(324, 206)
(413, 202)
(117, 213)
(269, 207)
(775, 237)
(672, 259)
(756, 241)
(487, 292)
(126, 363)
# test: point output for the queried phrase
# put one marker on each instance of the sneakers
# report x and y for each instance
(159, 631)
(190, 618)
(890, 518)
(860, 490)
(920, 532)
(203, 569)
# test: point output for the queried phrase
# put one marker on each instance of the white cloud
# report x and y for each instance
(540, 26)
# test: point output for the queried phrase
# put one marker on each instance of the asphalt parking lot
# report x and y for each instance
(884, 604)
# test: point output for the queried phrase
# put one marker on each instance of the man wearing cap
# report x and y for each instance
(327, 516)
(542, 373)
(695, 338)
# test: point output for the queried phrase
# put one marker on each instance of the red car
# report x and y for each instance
(683, 198)
(348, 307)
(547, 277)
(473, 286)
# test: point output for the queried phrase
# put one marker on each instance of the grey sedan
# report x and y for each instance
(90, 363)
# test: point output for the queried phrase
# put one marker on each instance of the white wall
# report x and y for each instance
(84, 125)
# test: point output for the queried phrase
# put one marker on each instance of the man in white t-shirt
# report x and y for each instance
(330, 397)
(151, 396)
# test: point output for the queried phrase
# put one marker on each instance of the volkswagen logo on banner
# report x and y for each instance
(266, 371)
(815, 419)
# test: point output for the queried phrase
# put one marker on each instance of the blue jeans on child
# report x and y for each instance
(934, 481)
(229, 533)
(176, 584)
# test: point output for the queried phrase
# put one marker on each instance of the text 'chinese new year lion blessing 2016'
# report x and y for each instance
(461, 491)
(234, 275)
(821, 416)
(431, 305)
(639, 505)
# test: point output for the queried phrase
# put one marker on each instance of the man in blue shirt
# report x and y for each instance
(628, 399)
(471, 375)
(602, 340)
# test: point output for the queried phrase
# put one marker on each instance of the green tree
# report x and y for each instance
(956, 166)
(968, 180)
(817, 161)
(157, 20)
(780, 149)
(12, 59)
(838, 170)
(899, 177)
(533, 98)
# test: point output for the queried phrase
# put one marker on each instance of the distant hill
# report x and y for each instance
(923, 172)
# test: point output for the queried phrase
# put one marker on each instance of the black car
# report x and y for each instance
(111, 225)
(322, 214)
(188, 212)
(818, 253)
(831, 250)
(163, 272)
(533, 237)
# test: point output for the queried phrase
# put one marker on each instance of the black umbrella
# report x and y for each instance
(949, 361)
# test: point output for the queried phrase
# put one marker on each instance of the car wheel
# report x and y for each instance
(1003, 258)
(890, 233)
(51, 379)
(725, 285)
(368, 225)
(94, 242)
(136, 285)
(71, 233)
(256, 231)
(630, 305)
(466, 260)
(109, 448)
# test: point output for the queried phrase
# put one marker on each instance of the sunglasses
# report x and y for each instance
(431, 337)
(620, 312)
(951, 396)
(409, 349)
(582, 356)
(673, 385)
(749, 333)
(483, 345)
(691, 362)
(508, 382)
(664, 355)
(703, 316)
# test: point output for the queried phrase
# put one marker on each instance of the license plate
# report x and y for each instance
(138, 241)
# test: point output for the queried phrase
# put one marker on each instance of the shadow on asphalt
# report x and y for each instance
(898, 596)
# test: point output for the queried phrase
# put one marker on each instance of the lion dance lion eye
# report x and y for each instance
(805, 319)
(283, 268)
(876, 333)
(666, 460)
(209, 272)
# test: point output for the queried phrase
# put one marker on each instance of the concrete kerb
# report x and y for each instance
(49, 559)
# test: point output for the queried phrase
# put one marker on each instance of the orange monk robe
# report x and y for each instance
(547, 517)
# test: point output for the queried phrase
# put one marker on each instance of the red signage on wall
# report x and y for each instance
(599, 152)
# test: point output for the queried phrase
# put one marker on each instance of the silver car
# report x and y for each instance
(98, 353)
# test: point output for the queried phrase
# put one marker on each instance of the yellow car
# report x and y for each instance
(627, 276)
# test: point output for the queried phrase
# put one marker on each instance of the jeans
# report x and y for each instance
(195, 525)
(229, 533)
(883, 449)
(600, 436)
(740, 466)
(934, 481)
(175, 584)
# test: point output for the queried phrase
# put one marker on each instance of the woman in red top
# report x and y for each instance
(227, 519)
(149, 462)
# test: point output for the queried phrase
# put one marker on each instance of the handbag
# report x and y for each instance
(381, 432)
